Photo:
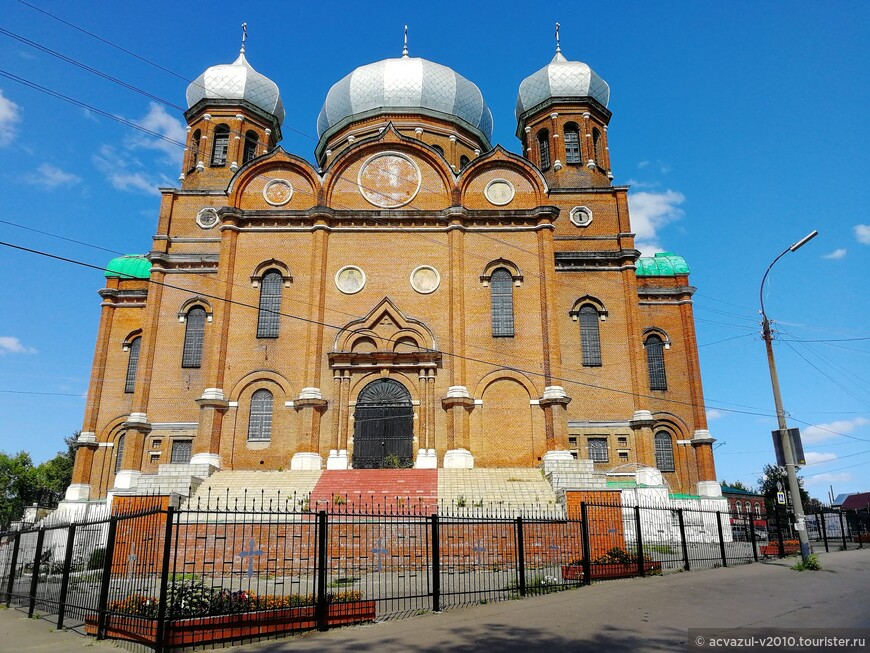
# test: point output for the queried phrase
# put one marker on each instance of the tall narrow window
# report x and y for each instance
(220, 146)
(502, 287)
(572, 144)
(664, 452)
(260, 422)
(655, 359)
(194, 334)
(590, 341)
(132, 365)
(251, 141)
(544, 148)
(739, 507)
(596, 147)
(194, 149)
(119, 453)
(269, 317)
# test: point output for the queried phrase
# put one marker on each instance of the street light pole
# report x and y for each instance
(791, 472)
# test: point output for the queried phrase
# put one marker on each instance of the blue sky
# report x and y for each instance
(740, 126)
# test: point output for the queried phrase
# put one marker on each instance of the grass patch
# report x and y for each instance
(344, 581)
(660, 548)
(810, 564)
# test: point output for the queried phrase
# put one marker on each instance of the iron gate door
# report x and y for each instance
(383, 434)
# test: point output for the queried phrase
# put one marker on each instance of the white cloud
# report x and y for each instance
(650, 212)
(822, 432)
(836, 254)
(828, 478)
(51, 177)
(714, 413)
(12, 345)
(658, 165)
(124, 173)
(157, 120)
(862, 233)
(814, 457)
(10, 117)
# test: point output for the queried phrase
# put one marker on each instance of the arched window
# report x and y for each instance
(220, 146)
(438, 149)
(251, 141)
(758, 510)
(269, 317)
(655, 359)
(463, 161)
(739, 509)
(502, 291)
(664, 451)
(590, 342)
(544, 148)
(260, 422)
(748, 508)
(194, 149)
(132, 365)
(119, 453)
(596, 147)
(572, 144)
(194, 334)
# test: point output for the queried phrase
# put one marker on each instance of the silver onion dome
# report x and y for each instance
(561, 79)
(405, 85)
(237, 81)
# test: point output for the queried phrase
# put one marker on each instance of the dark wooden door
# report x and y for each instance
(383, 432)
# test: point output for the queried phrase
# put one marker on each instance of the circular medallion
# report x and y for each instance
(425, 279)
(389, 180)
(207, 217)
(278, 192)
(499, 192)
(581, 216)
(350, 279)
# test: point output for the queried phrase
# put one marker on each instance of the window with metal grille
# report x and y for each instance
(501, 285)
(119, 453)
(182, 450)
(572, 145)
(655, 359)
(221, 145)
(544, 148)
(598, 450)
(260, 422)
(664, 452)
(194, 334)
(132, 365)
(251, 141)
(269, 317)
(590, 342)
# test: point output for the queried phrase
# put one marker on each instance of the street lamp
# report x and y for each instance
(793, 487)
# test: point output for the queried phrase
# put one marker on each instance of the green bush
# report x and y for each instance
(810, 564)
(98, 558)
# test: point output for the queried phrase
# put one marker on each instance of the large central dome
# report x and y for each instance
(405, 85)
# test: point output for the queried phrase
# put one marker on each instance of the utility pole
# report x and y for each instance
(791, 472)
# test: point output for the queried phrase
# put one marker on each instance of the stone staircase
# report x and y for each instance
(183, 480)
(413, 491)
(255, 490)
(511, 491)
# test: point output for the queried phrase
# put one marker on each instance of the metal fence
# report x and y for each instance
(175, 578)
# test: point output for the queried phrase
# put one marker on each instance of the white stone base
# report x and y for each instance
(213, 459)
(426, 459)
(709, 489)
(306, 462)
(458, 459)
(649, 477)
(77, 492)
(214, 394)
(555, 456)
(127, 479)
(337, 459)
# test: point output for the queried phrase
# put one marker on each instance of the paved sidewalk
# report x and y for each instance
(651, 614)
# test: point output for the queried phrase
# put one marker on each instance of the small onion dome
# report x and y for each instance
(561, 79)
(406, 85)
(663, 264)
(129, 266)
(237, 81)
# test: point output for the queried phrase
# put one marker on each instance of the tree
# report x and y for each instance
(738, 485)
(773, 480)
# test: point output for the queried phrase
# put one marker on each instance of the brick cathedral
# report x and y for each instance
(417, 298)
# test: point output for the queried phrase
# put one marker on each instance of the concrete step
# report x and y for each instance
(255, 490)
(414, 491)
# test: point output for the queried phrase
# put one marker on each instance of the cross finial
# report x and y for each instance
(244, 36)
(558, 49)
(405, 48)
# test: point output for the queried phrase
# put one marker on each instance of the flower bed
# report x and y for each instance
(616, 563)
(790, 547)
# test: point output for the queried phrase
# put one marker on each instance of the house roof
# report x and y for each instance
(856, 501)
(727, 489)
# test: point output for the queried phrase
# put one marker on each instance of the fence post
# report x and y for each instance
(842, 529)
(752, 538)
(639, 541)
(721, 539)
(824, 529)
(322, 606)
(107, 577)
(436, 564)
(34, 579)
(64, 579)
(10, 585)
(584, 536)
(521, 555)
(779, 530)
(683, 539)
(162, 608)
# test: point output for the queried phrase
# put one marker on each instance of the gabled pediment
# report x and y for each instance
(385, 329)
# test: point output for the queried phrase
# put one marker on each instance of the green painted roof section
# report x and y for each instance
(685, 496)
(734, 490)
(663, 264)
(620, 485)
(129, 266)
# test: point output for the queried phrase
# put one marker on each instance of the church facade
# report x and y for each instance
(417, 297)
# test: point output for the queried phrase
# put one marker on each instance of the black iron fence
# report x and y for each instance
(174, 578)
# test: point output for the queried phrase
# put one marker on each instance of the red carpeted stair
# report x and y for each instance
(413, 491)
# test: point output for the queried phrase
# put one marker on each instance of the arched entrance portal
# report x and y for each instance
(383, 432)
